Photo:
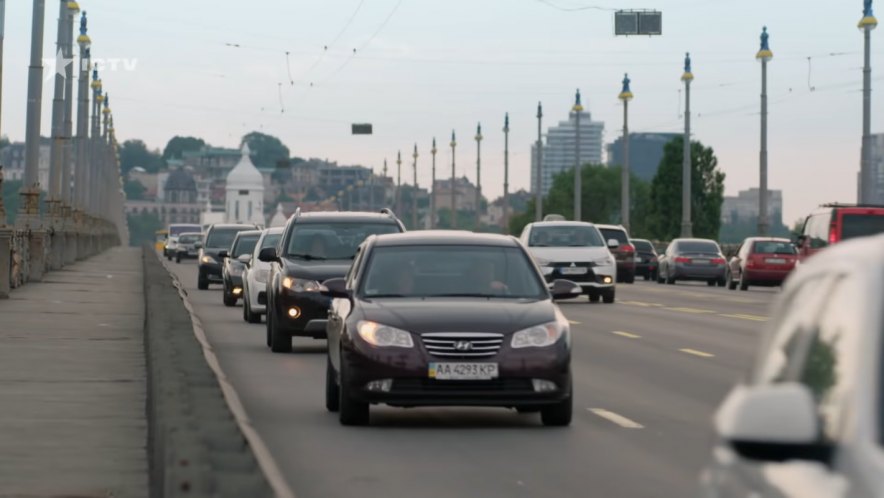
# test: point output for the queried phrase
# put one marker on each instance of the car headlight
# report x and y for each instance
(383, 336)
(236, 270)
(605, 261)
(539, 336)
(208, 259)
(261, 275)
(300, 285)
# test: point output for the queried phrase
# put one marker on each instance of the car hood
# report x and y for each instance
(569, 254)
(458, 314)
(317, 270)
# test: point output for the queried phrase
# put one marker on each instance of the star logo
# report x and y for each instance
(59, 65)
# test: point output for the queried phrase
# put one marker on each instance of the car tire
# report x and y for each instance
(710, 283)
(722, 282)
(629, 279)
(228, 298)
(280, 341)
(559, 414)
(594, 297)
(178, 258)
(608, 296)
(332, 389)
(351, 411)
(670, 280)
(267, 328)
(202, 283)
(247, 312)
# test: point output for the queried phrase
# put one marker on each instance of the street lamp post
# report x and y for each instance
(399, 184)
(2, 37)
(82, 114)
(479, 138)
(867, 190)
(625, 96)
(453, 182)
(433, 151)
(506, 173)
(538, 195)
(764, 55)
(414, 192)
(94, 152)
(56, 151)
(686, 225)
(578, 192)
(68, 127)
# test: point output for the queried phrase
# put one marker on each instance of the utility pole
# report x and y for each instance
(56, 152)
(867, 188)
(371, 191)
(764, 55)
(453, 182)
(625, 204)
(578, 192)
(67, 155)
(414, 192)
(479, 176)
(538, 195)
(433, 151)
(506, 173)
(94, 151)
(686, 224)
(80, 175)
(399, 184)
(29, 214)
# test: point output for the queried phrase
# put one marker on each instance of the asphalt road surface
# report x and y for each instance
(648, 371)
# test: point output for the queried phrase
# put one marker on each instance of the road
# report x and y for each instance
(649, 372)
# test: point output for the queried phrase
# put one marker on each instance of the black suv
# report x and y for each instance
(219, 238)
(313, 248)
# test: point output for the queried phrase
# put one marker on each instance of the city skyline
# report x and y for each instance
(219, 74)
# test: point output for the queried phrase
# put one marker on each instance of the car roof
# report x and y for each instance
(273, 230)
(642, 240)
(562, 224)
(345, 216)
(190, 233)
(232, 225)
(248, 233)
(445, 237)
(862, 253)
(611, 227)
(691, 239)
(766, 239)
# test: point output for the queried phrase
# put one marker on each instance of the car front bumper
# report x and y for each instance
(312, 313)
(694, 272)
(595, 277)
(772, 277)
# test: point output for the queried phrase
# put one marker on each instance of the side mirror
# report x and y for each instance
(334, 287)
(245, 258)
(613, 244)
(223, 255)
(773, 423)
(565, 289)
(268, 255)
(800, 241)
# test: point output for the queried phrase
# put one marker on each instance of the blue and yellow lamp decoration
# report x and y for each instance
(479, 136)
(83, 39)
(106, 101)
(578, 107)
(764, 54)
(868, 21)
(74, 7)
(688, 75)
(453, 140)
(625, 93)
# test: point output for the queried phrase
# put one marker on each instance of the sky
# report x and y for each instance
(422, 68)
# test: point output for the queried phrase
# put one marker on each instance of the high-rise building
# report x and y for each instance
(876, 144)
(744, 207)
(645, 153)
(560, 148)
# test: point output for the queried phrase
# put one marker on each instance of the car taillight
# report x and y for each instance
(682, 260)
(628, 248)
(833, 234)
(717, 261)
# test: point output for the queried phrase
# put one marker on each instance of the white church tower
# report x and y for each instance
(245, 192)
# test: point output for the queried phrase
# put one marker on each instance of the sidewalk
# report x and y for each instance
(73, 382)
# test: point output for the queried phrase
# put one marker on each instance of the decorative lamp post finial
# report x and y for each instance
(868, 21)
(578, 107)
(625, 92)
(688, 74)
(764, 53)
(479, 132)
(506, 123)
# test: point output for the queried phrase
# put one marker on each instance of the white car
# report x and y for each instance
(808, 422)
(254, 277)
(576, 251)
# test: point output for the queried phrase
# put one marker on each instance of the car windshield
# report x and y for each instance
(222, 238)
(245, 245)
(614, 233)
(565, 236)
(176, 230)
(643, 246)
(861, 225)
(774, 247)
(332, 240)
(189, 238)
(270, 240)
(697, 246)
(452, 271)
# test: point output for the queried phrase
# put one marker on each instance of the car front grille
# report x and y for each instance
(462, 344)
(466, 386)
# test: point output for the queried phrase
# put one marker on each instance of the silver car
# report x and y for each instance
(575, 251)
(693, 259)
(809, 420)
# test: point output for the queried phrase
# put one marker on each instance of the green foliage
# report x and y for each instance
(466, 220)
(600, 199)
(177, 146)
(736, 232)
(12, 199)
(267, 150)
(135, 153)
(134, 190)
(143, 228)
(707, 193)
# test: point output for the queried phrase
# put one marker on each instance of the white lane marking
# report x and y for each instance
(572, 322)
(741, 316)
(616, 418)
(626, 334)
(697, 353)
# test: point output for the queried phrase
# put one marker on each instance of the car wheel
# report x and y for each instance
(267, 328)
(177, 258)
(228, 298)
(594, 297)
(711, 283)
(351, 411)
(202, 283)
(559, 414)
(629, 279)
(722, 282)
(280, 341)
(608, 296)
(332, 389)
(647, 276)
(670, 279)
(247, 309)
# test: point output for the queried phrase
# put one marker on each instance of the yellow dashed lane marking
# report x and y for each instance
(693, 311)
(572, 322)
(739, 316)
(626, 334)
(694, 352)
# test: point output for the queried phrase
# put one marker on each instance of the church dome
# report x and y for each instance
(245, 176)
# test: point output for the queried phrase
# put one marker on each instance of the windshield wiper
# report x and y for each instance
(467, 294)
(307, 257)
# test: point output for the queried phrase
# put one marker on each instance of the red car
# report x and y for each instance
(761, 261)
(832, 223)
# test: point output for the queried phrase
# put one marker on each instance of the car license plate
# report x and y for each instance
(573, 270)
(775, 261)
(463, 371)
(700, 261)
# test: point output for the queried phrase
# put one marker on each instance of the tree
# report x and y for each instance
(143, 228)
(134, 190)
(707, 193)
(134, 153)
(600, 199)
(267, 150)
(176, 147)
